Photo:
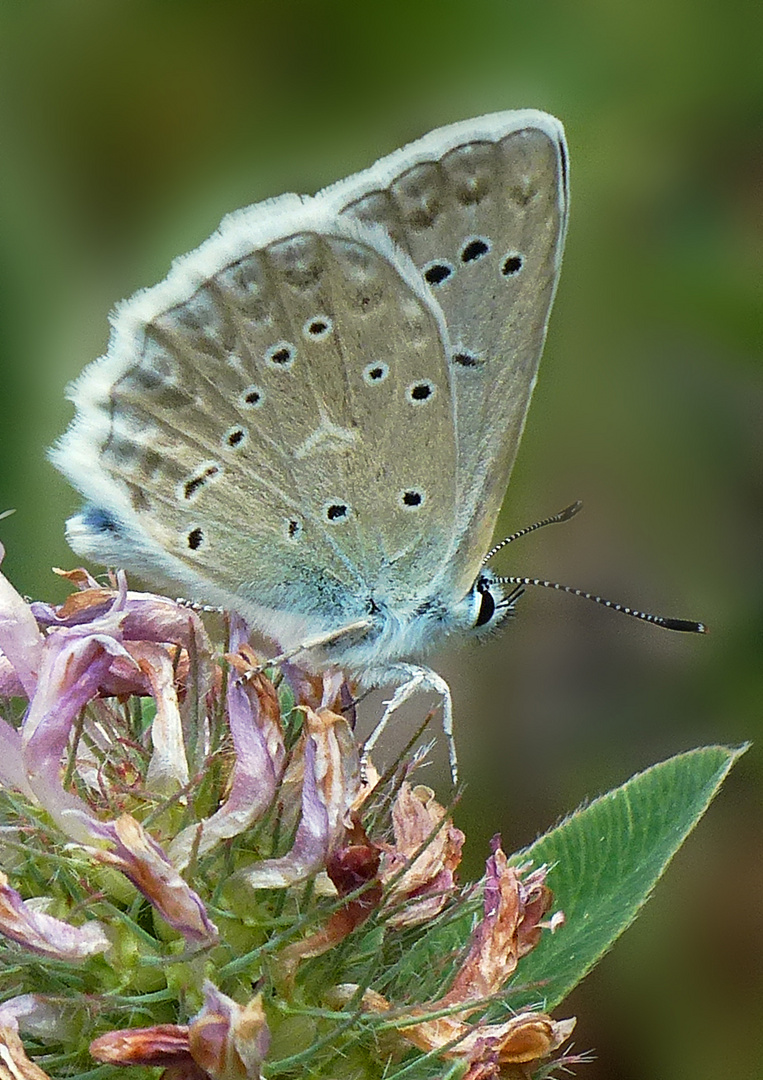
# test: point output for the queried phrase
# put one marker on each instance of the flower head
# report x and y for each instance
(206, 880)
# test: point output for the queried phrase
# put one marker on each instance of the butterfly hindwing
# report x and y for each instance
(273, 425)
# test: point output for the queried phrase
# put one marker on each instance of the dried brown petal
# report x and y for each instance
(535, 900)
(79, 577)
(94, 600)
(529, 1036)
(163, 1044)
(435, 855)
(14, 1063)
(509, 929)
(229, 1041)
(349, 869)
(142, 860)
(493, 955)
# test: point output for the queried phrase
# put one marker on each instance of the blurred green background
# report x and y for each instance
(127, 129)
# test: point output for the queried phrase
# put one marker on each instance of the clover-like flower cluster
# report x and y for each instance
(202, 877)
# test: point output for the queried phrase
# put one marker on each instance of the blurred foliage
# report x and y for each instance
(127, 129)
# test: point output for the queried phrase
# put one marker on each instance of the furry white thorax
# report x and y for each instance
(396, 632)
(393, 636)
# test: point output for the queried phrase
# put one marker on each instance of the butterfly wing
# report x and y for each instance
(305, 420)
(272, 425)
(481, 208)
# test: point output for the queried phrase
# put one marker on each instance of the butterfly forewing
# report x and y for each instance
(481, 209)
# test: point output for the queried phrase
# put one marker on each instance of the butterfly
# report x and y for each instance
(313, 419)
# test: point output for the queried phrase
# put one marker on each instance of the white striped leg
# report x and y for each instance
(413, 679)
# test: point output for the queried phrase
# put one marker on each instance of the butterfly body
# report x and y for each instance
(313, 419)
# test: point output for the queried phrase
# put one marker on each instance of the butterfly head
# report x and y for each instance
(486, 605)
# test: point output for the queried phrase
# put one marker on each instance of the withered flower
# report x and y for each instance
(421, 864)
(512, 913)
(224, 1041)
(188, 845)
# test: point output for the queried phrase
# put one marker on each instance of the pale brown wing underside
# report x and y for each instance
(285, 431)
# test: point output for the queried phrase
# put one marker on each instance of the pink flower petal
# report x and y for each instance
(432, 856)
(12, 764)
(142, 860)
(73, 667)
(168, 769)
(20, 637)
(330, 786)
(255, 727)
(44, 935)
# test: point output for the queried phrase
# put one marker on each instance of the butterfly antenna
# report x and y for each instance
(563, 515)
(685, 625)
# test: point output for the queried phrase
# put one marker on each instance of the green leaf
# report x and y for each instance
(606, 859)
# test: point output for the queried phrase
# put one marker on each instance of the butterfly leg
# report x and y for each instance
(413, 679)
(315, 643)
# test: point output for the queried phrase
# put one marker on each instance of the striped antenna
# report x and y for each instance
(555, 519)
(684, 625)
(687, 626)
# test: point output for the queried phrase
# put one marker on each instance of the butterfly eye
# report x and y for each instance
(487, 606)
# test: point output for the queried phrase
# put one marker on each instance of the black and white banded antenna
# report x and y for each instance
(688, 626)
(567, 514)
